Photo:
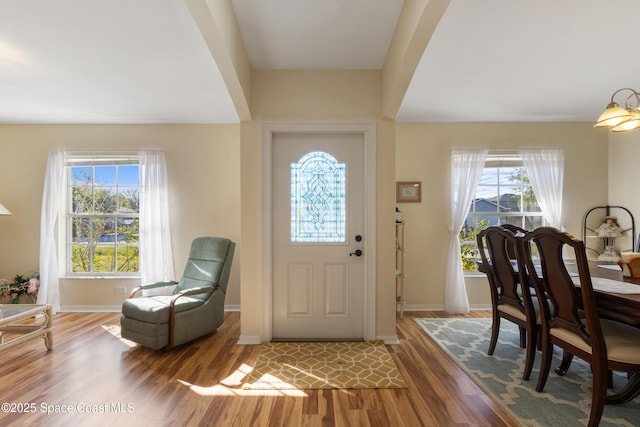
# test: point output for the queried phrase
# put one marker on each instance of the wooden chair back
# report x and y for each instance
(517, 231)
(494, 244)
(556, 284)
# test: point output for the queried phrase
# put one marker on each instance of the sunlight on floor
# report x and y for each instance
(115, 331)
(304, 372)
(232, 386)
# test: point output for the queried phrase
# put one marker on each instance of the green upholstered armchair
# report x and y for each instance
(196, 306)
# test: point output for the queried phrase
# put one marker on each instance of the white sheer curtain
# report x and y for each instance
(52, 199)
(466, 169)
(545, 168)
(156, 254)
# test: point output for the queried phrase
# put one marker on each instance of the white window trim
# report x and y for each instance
(64, 230)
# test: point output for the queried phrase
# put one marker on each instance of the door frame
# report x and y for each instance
(368, 131)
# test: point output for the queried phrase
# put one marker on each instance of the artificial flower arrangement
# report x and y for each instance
(10, 292)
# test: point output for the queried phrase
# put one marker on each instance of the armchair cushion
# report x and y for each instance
(155, 309)
(205, 265)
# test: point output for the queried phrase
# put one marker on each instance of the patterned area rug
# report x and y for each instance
(566, 401)
(316, 365)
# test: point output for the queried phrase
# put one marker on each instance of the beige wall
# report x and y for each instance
(203, 163)
(295, 96)
(623, 166)
(422, 154)
(205, 189)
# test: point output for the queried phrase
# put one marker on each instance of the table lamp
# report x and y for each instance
(3, 210)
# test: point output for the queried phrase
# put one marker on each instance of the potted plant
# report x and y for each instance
(21, 290)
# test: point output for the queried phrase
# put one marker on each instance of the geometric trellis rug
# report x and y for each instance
(318, 365)
(566, 401)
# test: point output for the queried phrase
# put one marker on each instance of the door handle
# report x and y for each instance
(358, 252)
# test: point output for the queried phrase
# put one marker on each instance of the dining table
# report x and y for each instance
(617, 296)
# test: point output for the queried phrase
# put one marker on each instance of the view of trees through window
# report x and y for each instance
(504, 196)
(103, 219)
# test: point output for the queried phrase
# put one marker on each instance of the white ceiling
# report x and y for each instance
(144, 61)
(107, 61)
(517, 60)
(313, 34)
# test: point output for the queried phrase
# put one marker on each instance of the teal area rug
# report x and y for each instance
(566, 401)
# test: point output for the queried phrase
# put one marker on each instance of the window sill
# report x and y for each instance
(100, 277)
(474, 274)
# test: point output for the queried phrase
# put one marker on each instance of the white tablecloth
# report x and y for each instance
(609, 285)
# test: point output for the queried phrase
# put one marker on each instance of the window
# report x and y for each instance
(102, 216)
(504, 196)
(318, 199)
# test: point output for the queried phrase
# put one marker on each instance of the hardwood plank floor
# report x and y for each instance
(93, 378)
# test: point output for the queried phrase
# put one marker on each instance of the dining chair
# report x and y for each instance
(509, 300)
(571, 321)
(517, 231)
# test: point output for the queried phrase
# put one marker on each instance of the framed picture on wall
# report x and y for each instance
(408, 192)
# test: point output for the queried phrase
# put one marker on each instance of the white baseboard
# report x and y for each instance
(389, 339)
(481, 307)
(423, 307)
(249, 340)
(116, 308)
(438, 307)
(91, 308)
(236, 308)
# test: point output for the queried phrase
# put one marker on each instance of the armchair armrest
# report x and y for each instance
(195, 291)
(185, 292)
(172, 308)
(152, 286)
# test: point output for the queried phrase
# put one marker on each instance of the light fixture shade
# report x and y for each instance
(613, 116)
(4, 211)
(629, 124)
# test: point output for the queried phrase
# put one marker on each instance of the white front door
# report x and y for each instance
(318, 224)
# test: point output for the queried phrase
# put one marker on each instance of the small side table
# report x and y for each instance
(27, 321)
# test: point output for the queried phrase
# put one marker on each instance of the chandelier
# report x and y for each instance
(620, 119)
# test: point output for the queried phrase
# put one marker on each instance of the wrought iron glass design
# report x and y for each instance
(318, 199)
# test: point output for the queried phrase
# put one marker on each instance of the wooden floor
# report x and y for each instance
(93, 378)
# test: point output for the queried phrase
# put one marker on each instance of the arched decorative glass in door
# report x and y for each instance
(318, 199)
